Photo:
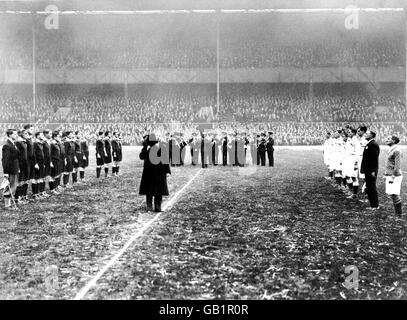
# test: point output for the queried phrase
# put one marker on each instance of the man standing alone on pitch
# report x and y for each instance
(370, 167)
(155, 170)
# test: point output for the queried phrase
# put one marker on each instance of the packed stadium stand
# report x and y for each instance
(327, 75)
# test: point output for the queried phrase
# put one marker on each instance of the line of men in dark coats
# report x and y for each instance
(108, 150)
(42, 158)
(207, 147)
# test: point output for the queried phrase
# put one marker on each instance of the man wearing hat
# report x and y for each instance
(154, 177)
(270, 149)
(224, 144)
(262, 150)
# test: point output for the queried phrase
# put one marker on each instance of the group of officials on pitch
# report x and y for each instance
(161, 153)
(353, 154)
(213, 148)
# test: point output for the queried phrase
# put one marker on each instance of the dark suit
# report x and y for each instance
(270, 151)
(370, 167)
(261, 149)
(225, 151)
(154, 176)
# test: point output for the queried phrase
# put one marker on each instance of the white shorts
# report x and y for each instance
(395, 187)
(336, 163)
(348, 167)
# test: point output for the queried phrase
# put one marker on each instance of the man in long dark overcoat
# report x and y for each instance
(155, 171)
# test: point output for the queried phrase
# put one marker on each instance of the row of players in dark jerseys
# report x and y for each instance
(108, 150)
(41, 158)
(208, 146)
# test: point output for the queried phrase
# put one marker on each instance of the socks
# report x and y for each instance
(117, 169)
(51, 185)
(34, 188)
(344, 182)
(24, 189)
(74, 177)
(355, 189)
(66, 179)
(81, 174)
(106, 172)
(18, 193)
(98, 172)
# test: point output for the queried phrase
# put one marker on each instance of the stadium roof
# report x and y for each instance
(195, 4)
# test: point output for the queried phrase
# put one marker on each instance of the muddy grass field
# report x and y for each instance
(259, 233)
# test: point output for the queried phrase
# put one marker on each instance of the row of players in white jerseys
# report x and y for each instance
(352, 154)
(343, 152)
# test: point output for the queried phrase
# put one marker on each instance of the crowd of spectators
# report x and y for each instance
(238, 103)
(192, 52)
(299, 114)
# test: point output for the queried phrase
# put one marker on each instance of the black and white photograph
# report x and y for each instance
(220, 151)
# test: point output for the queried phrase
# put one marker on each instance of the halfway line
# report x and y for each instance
(92, 282)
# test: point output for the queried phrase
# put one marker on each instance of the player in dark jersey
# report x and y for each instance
(32, 162)
(78, 158)
(55, 158)
(62, 160)
(116, 153)
(85, 156)
(69, 156)
(100, 153)
(23, 177)
(39, 176)
(108, 152)
(47, 158)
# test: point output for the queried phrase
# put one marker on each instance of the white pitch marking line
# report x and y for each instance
(112, 261)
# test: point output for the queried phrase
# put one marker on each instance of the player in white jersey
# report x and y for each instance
(349, 159)
(337, 156)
